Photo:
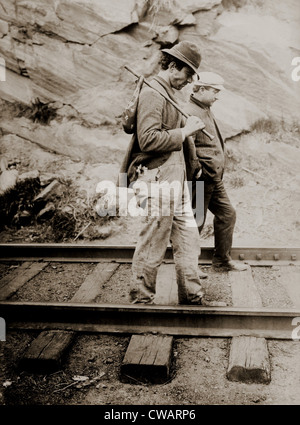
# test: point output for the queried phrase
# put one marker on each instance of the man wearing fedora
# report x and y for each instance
(162, 149)
(211, 154)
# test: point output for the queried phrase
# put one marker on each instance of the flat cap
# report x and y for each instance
(210, 79)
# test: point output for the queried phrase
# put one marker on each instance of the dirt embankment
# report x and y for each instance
(261, 179)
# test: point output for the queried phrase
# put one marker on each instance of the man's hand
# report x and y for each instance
(192, 125)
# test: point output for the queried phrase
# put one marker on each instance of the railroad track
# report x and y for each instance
(246, 320)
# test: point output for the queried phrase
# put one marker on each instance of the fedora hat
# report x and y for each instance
(210, 79)
(186, 52)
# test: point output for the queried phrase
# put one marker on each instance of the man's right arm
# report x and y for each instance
(192, 125)
(151, 134)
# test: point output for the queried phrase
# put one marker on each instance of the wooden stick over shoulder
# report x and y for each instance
(169, 100)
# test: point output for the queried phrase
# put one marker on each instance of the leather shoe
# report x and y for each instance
(193, 299)
(202, 275)
(230, 266)
(205, 303)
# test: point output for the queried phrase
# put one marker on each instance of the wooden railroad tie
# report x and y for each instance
(249, 360)
(249, 357)
(12, 282)
(48, 350)
(289, 279)
(166, 286)
(148, 357)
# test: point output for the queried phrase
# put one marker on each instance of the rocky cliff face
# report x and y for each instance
(73, 52)
(71, 55)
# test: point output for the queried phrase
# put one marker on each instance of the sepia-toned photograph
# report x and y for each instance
(149, 205)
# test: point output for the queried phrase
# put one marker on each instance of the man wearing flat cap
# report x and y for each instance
(211, 154)
(158, 159)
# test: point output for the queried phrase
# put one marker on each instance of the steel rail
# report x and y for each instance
(124, 253)
(129, 319)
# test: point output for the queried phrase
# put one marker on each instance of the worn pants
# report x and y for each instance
(217, 202)
(168, 218)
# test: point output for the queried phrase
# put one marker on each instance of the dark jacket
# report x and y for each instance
(158, 133)
(211, 153)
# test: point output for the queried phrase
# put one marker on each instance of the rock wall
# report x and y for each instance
(73, 52)
(61, 45)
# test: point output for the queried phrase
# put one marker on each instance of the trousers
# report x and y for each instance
(217, 202)
(164, 196)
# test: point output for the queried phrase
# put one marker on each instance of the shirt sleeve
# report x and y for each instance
(152, 134)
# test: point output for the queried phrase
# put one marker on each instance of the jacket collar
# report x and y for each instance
(210, 114)
(163, 83)
(193, 99)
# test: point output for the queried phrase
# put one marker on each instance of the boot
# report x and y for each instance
(230, 266)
